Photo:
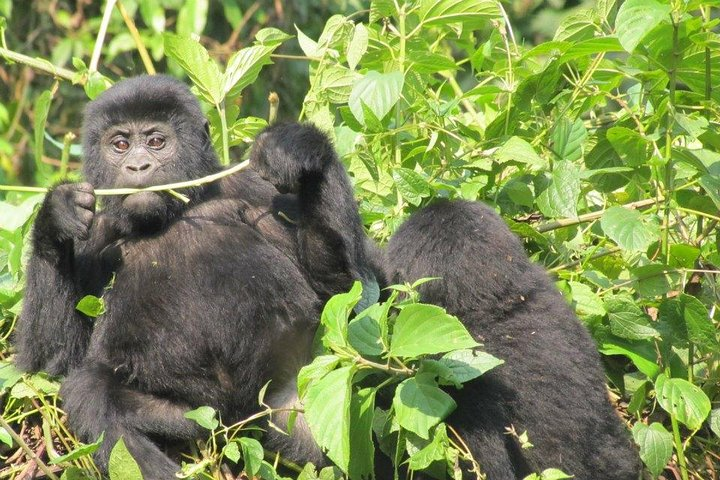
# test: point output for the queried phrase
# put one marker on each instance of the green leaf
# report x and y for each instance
(711, 185)
(357, 46)
(471, 14)
(577, 27)
(195, 61)
(568, 139)
(192, 17)
(715, 422)
(319, 367)
(518, 150)
(246, 129)
(630, 146)
(327, 411)
(6, 438)
(362, 448)
(153, 15)
(204, 416)
(253, 454)
(41, 109)
(685, 401)
(627, 320)
(411, 185)
(271, 37)
(335, 316)
(586, 301)
(336, 83)
(378, 91)
(231, 451)
(560, 198)
(656, 445)
(432, 451)
(122, 466)
(244, 67)
(426, 330)
(636, 18)
(700, 327)
(628, 228)
(309, 46)
(420, 404)
(81, 451)
(364, 332)
(91, 306)
(467, 365)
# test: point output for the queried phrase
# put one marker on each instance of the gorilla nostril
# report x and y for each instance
(139, 167)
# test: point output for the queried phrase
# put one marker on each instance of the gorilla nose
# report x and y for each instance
(138, 167)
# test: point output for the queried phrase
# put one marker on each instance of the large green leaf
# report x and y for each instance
(628, 228)
(357, 46)
(568, 138)
(378, 91)
(195, 61)
(636, 18)
(560, 198)
(627, 320)
(687, 402)
(243, 68)
(122, 465)
(411, 185)
(327, 411)
(362, 448)
(470, 13)
(334, 317)
(427, 329)
(655, 444)
(420, 404)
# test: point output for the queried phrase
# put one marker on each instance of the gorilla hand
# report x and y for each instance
(66, 214)
(288, 155)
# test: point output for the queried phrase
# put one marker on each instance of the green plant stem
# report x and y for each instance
(39, 64)
(670, 122)
(225, 140)
(28, 451)
(679, 448)
(97, 49)
(144, 55)
(385, 368)
(155, 188)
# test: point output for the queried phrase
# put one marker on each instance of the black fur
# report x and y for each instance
(210, 300)
(551, 384)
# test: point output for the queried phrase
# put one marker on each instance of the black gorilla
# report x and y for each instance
(209, 300)
(551, 384)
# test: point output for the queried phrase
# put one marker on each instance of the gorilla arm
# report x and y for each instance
(52, 335)
(331, 242)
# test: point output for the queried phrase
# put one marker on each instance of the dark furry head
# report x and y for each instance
(147, 99)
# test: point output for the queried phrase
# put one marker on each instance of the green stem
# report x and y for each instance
(155, 188)
(144, 55)
(588, 217)
(224, 128)
(679, 448)
(39, 64)
(670, 122)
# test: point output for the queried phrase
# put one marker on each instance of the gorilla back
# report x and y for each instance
(551, 384)
(210, 300)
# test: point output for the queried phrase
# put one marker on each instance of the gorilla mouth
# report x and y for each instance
(146, 208)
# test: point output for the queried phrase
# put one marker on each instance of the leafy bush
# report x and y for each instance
(599, 147)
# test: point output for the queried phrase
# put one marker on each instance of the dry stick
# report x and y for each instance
(589, 217)
(155, 188)
(41, 465)
(130, 23)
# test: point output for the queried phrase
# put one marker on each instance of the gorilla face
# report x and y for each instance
(136, 141)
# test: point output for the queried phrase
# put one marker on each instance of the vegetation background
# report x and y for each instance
(591, 127)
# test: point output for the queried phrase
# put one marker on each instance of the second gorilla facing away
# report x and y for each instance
(551, 384)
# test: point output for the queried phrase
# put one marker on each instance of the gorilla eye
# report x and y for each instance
(121, 145)
(156, 142)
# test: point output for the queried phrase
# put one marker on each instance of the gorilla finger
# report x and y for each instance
(85, 216)
(85, 200)
(85, 187)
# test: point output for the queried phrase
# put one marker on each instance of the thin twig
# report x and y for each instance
(589, 217)
(130, 23)
(154, 188)
(97, 50)
(41, 465)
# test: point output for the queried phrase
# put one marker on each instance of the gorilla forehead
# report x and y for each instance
(157, 97)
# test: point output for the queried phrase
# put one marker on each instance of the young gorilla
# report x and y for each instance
(551, 384)
(209, 300)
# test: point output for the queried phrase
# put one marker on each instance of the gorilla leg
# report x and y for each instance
(96, 401)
